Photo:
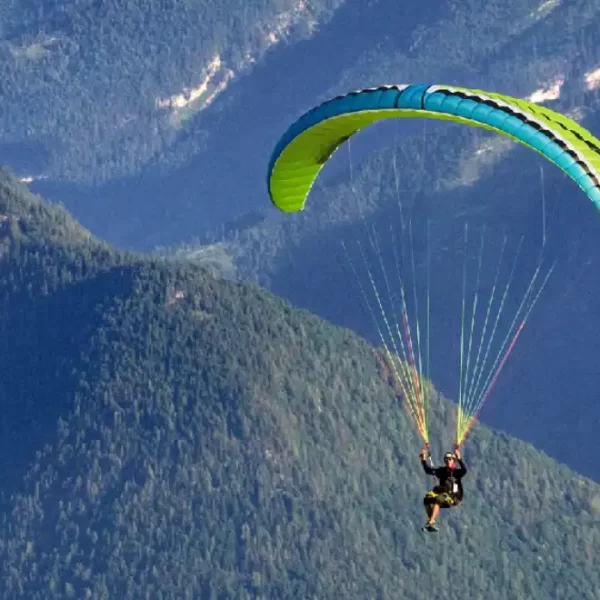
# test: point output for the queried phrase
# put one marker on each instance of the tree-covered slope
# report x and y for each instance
(213, 442)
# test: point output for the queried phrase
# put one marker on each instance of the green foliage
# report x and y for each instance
(209, 441)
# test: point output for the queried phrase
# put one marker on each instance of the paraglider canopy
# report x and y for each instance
(307, 145)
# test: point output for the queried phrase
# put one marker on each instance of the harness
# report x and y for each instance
(452, 487)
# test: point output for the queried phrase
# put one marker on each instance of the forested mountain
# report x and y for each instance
(172, 430)
(168, 434)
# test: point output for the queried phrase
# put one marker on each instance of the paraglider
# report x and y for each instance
(448, 493)
(309, 143)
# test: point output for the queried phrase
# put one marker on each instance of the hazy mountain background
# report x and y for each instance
(87, 90)
(170, 431)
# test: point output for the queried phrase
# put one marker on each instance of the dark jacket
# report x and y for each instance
(449, 479)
